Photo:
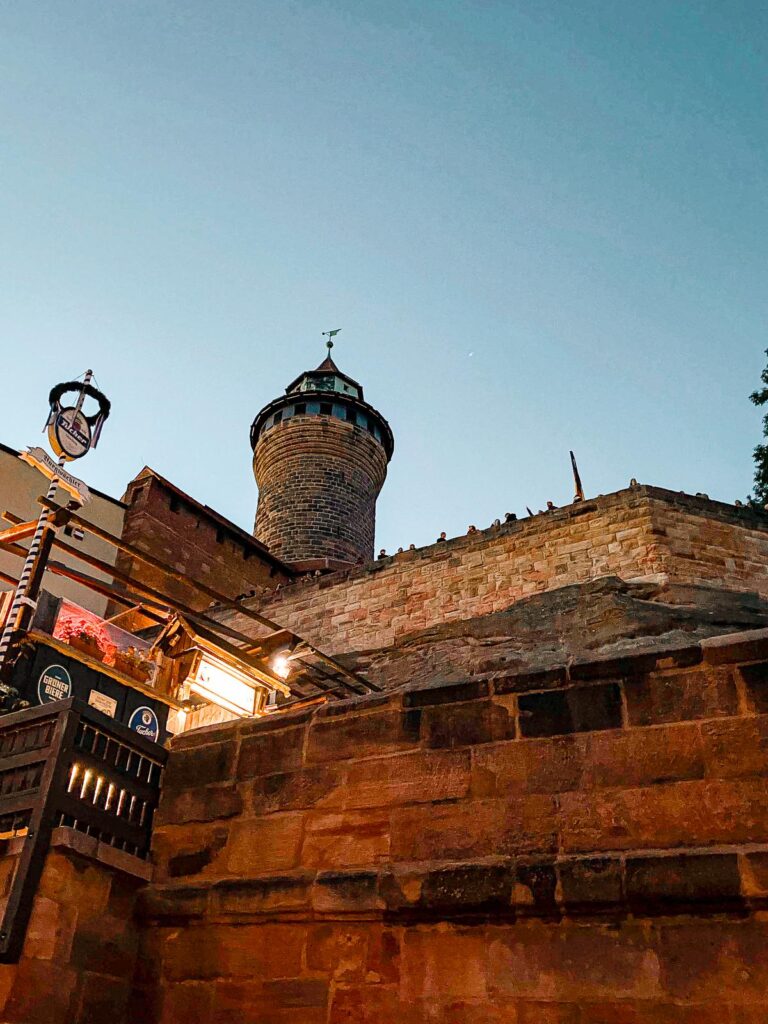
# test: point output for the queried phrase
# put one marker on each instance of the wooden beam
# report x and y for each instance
(18, 532)
(125, 598)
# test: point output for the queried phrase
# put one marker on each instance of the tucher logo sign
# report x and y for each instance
(144, 722)
(55, 683)
(70, 434)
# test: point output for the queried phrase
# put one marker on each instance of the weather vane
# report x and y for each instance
(330, 335)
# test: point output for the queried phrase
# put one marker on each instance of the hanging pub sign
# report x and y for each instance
(71, 433)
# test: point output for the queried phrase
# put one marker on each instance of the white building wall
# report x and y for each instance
(20, 487)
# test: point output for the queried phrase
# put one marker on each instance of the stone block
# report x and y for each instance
(199, 766)
(43, 993)
(366, 1004)
(188, 1003)
(591, 883)
(520, 682)
(445, 693)
(755, 679)
(731, 648)
(444, 893)
(737, 747)
(714, 962)
(65, 874)
(421, 776)
(439, 964)
(571, 962)
(471, 829)
(102, 1000)
(159, 901)
(186, 850)
(339, 951)
(212, 951)
(268, 895)
(459, 725)
(535, 890)
(528, 766)
(346, 839)
(642, 757)
(577, 709)
(659, 884)
(295, 791)
(362, 735)
(288, 993)
(754, 874)
(105, 946)
(698, 813)
(680, 696)
(263, 845)
(206, 803)
(50, 930)
(344, 891)
(529, 1012)
(268, 752)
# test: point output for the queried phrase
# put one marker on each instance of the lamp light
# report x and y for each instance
(281, 664)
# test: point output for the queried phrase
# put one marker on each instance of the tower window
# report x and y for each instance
(277, 417)
(174, 503)
(300, 408)
(326, 408)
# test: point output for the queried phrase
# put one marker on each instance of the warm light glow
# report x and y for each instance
(224, 686)
(281, 666)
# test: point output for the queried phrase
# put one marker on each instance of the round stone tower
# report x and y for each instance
(320, 456)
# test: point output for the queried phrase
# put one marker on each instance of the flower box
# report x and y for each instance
(87, 644)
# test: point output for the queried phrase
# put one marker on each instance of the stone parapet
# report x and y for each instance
(642, 534)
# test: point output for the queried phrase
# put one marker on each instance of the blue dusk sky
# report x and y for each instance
(541, 225)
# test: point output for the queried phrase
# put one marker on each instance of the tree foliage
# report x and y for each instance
(760, 454)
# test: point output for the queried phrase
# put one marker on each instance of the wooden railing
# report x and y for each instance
(64, 764)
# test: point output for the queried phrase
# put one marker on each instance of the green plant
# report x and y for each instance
(760, 454)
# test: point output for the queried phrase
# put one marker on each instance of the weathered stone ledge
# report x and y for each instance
(664, 882)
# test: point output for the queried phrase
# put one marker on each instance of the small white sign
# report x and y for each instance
(44, 464)
(100, 701)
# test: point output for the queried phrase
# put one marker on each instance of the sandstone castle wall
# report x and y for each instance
(79, 960)
(583, 846)
(638, 533)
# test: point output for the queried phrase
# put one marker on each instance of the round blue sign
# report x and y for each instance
(55, 683)
(144, 722)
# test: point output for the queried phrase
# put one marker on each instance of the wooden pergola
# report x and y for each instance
(315, 675)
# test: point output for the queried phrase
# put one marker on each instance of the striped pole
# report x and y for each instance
(20, 596)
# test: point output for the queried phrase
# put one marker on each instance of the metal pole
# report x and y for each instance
(20, 597)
